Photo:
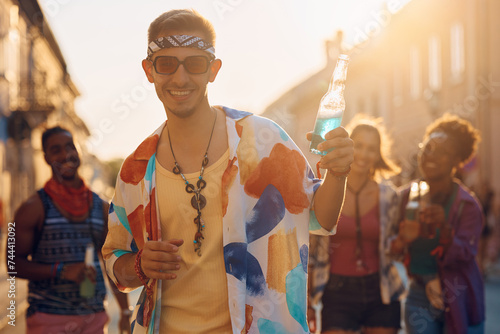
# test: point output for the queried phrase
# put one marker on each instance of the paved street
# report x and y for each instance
(493, 303)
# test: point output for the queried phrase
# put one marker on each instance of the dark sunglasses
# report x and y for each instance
(192, 64)
(434, 149)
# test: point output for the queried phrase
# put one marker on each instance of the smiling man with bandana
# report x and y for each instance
(53, 228)
(212, 212)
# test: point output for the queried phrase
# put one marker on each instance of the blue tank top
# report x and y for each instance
(65, 241)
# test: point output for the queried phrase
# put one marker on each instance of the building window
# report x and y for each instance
(375, 105)
(415, 80)
(3, 38)
(3, 56)
(457, 61)
(434, 63)
(12, 49)
(12, 62)
(397, 81)
(361, 105)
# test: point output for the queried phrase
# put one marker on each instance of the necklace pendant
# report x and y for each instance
(198, 250)
(198, 201)
(198, 236)
(201, 184)
(190, 188)
(200, 223)
(177, 169)
(197, 247)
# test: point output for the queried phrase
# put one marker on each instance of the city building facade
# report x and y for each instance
(410, 66)
(36, 92)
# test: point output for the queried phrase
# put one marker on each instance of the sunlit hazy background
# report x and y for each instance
(430, 58)
(266, 48)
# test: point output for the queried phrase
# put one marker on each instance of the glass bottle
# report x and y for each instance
(416, 200)
(413, 205)
(411, 229)
(87, 287)
(332, 106)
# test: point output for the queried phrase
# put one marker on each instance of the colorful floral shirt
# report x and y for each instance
(267, 194)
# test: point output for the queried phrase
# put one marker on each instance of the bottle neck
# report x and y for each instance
(340, 73)
(337, 88)
(337, 82)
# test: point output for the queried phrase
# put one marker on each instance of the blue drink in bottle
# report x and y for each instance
(332, 106)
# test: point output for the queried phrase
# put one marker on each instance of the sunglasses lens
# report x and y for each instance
(166, 65)
(196, 64)
(192, 64)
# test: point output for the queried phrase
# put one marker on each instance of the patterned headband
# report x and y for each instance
(177, 41)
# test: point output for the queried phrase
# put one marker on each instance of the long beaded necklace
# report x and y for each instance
(198, 201)
(359, 236)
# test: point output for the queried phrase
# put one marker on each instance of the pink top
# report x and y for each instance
(343, 245)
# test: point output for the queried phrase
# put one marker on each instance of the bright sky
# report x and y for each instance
(266, 46)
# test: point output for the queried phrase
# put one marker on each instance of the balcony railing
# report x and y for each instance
(32, 96)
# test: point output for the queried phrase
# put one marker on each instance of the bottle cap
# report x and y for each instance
(344, 57)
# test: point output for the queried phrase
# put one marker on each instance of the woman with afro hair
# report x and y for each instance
(440, 241)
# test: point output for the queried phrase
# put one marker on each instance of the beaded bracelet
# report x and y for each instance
(138, 270)
(340, 174)
(149, 288)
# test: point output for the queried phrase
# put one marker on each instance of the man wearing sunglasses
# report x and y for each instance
(212, 212)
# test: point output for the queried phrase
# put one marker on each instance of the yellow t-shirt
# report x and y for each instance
(197, 300)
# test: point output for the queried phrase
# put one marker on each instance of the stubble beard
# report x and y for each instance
(186, 111)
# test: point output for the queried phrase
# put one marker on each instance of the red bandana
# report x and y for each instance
(76, 201)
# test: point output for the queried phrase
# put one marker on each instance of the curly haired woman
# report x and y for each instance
(446, 293)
